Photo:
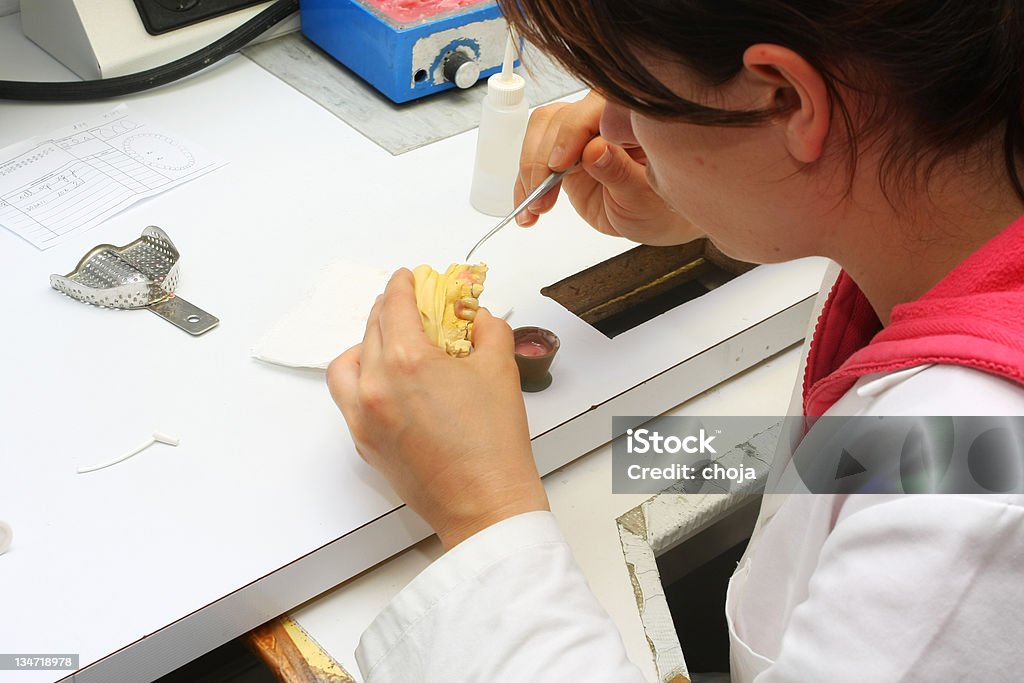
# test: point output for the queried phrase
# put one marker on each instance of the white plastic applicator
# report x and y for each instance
(508, 63)
(158, 437)
(500, 138)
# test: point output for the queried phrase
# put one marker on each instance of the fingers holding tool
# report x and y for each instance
(555, 139)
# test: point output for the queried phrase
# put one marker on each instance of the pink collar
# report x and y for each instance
(974, 318)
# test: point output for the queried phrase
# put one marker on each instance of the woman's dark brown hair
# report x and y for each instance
(940, 75)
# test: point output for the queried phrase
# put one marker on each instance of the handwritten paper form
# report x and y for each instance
(74, 179)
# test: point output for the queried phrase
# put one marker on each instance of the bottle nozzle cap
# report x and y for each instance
(506, 91)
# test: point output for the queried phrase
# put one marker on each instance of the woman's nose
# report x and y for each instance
(617, 125)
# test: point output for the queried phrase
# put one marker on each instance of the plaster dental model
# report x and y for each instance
(448, 304)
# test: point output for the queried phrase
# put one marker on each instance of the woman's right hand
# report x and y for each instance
(610, 190)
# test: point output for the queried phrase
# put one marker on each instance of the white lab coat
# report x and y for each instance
(887, 588)
(832, 588)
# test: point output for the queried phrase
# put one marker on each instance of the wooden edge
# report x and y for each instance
(292, 655)
(680, 516)
(620, 275)
(655, 617)
(639, 275)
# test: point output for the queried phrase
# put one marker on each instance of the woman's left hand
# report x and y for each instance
(449, 434)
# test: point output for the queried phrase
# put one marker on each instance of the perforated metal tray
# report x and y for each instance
(142, 274)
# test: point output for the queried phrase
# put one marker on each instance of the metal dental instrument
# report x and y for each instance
(143, 274)
(541, 190)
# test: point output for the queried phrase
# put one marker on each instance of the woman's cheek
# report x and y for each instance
(694, 199)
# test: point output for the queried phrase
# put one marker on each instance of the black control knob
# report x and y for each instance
(461, 69)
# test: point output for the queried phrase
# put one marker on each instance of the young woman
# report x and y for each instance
(885, 135)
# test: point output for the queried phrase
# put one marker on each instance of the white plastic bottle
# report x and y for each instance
(500, 140)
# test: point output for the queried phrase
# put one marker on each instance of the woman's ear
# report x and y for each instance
(799, 92)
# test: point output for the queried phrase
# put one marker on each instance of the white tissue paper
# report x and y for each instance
(331, 319)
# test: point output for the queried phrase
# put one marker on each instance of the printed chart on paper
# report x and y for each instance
(72, 180)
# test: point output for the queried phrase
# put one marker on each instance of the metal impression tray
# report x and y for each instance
(143, 274)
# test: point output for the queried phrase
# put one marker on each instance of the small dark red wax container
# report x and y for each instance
(535, 349)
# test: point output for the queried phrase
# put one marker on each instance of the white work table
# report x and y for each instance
(582, 500)
(144, 566)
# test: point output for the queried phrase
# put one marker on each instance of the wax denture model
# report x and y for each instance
(448, 304)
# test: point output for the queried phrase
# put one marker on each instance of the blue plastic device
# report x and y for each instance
(406, 61)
